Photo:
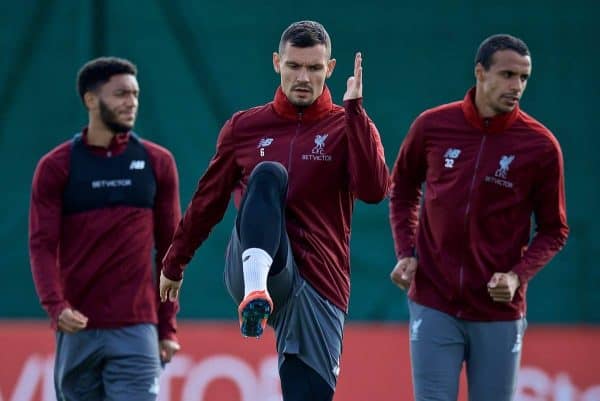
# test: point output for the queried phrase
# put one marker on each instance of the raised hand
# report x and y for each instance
(354, 83)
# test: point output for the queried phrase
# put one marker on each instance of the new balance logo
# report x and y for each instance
(450, 157)
(137, 165)
(264, 142)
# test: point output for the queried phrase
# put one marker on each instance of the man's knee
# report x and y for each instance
(273, 169)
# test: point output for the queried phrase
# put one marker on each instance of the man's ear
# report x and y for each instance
(330, 67)
(90, 99)
(276, 62)
(479, 70)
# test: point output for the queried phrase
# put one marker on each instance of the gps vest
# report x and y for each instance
(97, 182)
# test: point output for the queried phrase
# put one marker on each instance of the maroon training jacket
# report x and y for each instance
(332, 154)
(100, 262)
(483, 180)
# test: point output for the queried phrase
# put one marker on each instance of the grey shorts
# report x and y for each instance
(441, 343)
(107, 364)
(305, 323)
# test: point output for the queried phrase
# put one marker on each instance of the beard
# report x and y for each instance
(301, 102)
(110, 119)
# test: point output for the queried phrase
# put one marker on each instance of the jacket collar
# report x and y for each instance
(117, 143)
(496, 124)
(319, 109)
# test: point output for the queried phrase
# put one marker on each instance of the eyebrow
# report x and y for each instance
(136, 90)
(317, 64)
(515, 72)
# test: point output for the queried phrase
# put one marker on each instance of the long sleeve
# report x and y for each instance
(369, 175)
(207, 206)
(167, 213)
(407, 176)
(549, 207)
(44, 232)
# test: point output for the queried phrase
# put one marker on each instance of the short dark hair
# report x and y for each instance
(99, 71)
(305, 34)
(498, 42)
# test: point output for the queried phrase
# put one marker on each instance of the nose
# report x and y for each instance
(131, 101)
(517, 85)
(303, 75)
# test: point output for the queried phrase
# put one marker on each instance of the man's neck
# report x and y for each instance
(482, 109)
(99, 135)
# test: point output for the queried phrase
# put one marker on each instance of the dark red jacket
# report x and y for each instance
(483, 180)
(100, 262)
(332, 154)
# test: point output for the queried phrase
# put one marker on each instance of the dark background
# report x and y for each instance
(201, 61)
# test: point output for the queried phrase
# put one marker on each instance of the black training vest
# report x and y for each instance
(97, 182)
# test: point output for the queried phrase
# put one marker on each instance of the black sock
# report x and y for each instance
(299, 382)
(261, 222)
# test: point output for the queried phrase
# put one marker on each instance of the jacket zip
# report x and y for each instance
(289, 166)
(467, 210)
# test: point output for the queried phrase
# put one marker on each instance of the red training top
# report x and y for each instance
(100, 261)
(483, 180)
(332, 154)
